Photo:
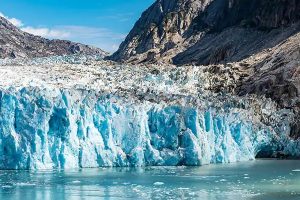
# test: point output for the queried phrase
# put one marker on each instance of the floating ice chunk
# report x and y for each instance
(25, 184)
(158, 183)
(7, 186)
(181, 188)
(76, 181)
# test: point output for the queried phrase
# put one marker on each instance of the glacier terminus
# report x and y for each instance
(86, 115)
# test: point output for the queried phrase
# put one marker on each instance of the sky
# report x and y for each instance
(101, 23)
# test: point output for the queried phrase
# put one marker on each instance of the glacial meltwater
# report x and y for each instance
(262, 179)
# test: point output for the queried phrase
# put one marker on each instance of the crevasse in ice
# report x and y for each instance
(55, 128)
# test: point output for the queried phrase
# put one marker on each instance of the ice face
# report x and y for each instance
(55, 128)
(73, 112)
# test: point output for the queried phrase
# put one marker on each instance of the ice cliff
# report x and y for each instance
(46, 125)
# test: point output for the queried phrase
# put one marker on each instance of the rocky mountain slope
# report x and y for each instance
(160, 32)
(15, 43)
(208, 31)
(257, 39)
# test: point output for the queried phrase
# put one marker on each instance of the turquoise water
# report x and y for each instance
(263, 179)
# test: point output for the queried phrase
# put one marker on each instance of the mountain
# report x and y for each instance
(161, 31)
(205, 32)
(256, 40)
(14, 43)
(237, 100)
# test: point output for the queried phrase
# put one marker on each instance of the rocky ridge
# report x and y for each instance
(14, 43)
(160, 32)
(208, 32)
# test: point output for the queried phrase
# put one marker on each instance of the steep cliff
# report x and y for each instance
(208, 32)
(235, 30)
(161, 31)
(15, 43)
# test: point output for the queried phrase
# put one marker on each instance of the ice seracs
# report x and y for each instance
(96, 114)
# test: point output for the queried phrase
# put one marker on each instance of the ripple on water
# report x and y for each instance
(268, 180)
(25, 184)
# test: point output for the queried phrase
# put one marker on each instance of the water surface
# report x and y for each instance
(262, 180)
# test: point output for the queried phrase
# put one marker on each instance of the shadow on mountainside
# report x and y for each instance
(236, 29)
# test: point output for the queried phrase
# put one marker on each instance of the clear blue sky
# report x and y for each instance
(102, 23)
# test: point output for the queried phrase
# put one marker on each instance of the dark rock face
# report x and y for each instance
(235, 29)
(15, 43)
(260, 14)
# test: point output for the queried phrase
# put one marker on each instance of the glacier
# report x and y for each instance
(42, 128)
(62, 113)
